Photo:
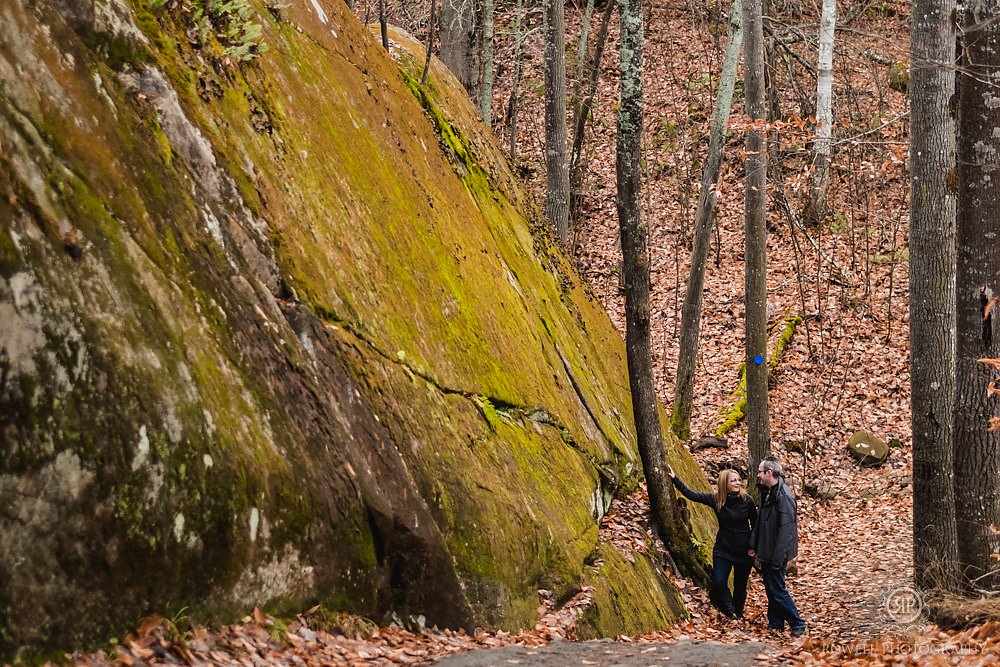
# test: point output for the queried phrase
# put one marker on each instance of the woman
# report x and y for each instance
(736, 512)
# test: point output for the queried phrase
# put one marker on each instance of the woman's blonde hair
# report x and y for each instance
(722, 492)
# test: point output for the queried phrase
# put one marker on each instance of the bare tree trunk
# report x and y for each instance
(582, 106)
(511, 119)
(556, 153)
(755, 219)
(770, 67)
(486, 95)
(635, 255)
(680, 417)
(581, 47)
(977, 450)
(430, 46)
(458, 42)
(383, 24)
(816, 204)
(932, 291)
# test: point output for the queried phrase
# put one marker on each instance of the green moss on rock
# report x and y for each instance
(260, 359)
(631, 596)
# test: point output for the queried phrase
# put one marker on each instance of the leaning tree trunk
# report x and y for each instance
(457, 39)
(556, 152)
(486, 95)
(430, 46)
(635, 255)
(582, 106)
(816, 208)
(932, 291)
(680, 416)
(758, 428)
(977, 450)
(511, 118)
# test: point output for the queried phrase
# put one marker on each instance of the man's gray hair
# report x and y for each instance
(773, 466)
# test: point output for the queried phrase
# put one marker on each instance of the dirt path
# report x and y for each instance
(609, 653)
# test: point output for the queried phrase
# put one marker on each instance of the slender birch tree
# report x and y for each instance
(977, 450)
(932, 291)
(635, 256)
(816, 208)
(755, 318)
(680, 416)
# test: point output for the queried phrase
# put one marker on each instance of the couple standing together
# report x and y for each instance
(770, 536)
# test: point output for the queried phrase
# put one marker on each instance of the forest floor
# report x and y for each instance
(846, 369)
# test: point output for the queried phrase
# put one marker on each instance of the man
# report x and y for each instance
(775, 541)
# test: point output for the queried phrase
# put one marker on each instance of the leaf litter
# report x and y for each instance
(846, 368)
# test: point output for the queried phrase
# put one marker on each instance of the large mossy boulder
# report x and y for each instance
(278, 328)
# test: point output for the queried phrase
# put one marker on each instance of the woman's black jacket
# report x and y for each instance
(736, 520)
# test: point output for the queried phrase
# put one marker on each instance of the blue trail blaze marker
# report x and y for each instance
(758, 360)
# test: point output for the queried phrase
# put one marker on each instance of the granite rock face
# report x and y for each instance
(279, 327)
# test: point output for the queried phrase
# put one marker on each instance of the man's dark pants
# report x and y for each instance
(780, 605)
(721, 567)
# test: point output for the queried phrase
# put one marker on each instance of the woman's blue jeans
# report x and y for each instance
(730, 603)
(780, 605)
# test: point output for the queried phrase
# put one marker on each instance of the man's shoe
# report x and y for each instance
(798, 632)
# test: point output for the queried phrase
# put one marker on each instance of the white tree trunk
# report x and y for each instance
(824, 112)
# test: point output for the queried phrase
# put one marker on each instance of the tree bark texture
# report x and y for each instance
(824, 114)
(977, 450)
(932, 291)
(635, 255)
(430, 45)
(486, 95)
(383, 25)
(755, 218)
(582, 106)
(458, 43)
(511, 119)
(680, 416)
(556, 149)
(581, 47)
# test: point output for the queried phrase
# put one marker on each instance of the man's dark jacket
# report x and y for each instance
(775, 535)
(736, 518)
